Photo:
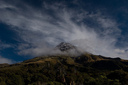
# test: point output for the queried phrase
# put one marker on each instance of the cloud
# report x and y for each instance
(44, 28)
(5, 60)
(120, 51)
(4, 45)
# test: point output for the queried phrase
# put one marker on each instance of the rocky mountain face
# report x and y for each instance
(85, 69)
(63, 46)
(68, 49)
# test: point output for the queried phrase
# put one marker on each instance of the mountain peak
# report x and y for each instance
(63, 46)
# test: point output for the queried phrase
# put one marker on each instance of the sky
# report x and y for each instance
(31, 28)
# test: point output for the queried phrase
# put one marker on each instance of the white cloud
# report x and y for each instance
(4, 45)
(40, 29)
(120, 50)
(2, 59)
(5, 60)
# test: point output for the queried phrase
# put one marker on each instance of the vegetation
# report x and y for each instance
(86, 69)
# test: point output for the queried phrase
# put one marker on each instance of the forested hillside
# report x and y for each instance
(86, 69)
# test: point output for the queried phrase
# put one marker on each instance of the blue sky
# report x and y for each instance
(30, 28)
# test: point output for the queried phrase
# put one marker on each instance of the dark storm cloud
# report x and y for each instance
(43, 28)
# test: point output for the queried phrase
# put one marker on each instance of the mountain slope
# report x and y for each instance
(65, 70)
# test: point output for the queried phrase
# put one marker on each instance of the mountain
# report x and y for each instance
(85, 69)
(63, 46)
(67, 49)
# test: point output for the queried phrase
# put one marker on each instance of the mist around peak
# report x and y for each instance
(67, 49)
